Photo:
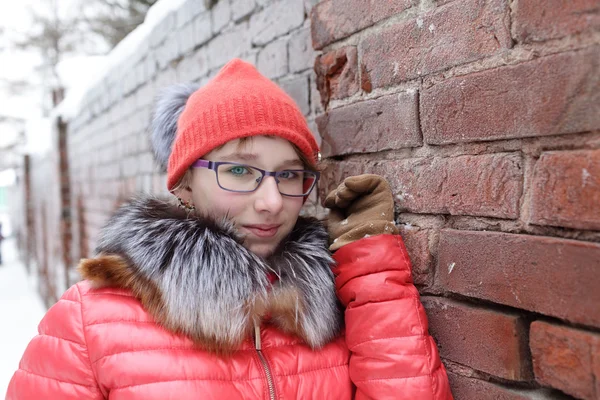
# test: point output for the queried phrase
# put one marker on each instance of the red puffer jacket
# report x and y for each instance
(136, 339)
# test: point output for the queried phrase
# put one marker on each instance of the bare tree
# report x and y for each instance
(52, 36)
(112, 20)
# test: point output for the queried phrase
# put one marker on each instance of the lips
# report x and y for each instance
(263, 230)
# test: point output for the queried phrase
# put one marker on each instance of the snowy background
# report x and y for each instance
(21, 310)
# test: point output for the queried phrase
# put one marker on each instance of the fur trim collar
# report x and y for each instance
(195, 277)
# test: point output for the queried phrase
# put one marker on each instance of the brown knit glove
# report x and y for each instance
(361, 206)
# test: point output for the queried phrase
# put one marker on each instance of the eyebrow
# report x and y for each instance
(254, 157)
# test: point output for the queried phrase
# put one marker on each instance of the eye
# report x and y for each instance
(288, 175)
(239, 170)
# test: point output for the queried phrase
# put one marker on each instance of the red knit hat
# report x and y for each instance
(238, 102)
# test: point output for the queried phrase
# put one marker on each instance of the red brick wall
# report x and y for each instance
(484, 115)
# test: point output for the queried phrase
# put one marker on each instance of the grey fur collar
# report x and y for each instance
(194, 276)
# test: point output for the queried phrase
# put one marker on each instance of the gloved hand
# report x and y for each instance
(361, 206)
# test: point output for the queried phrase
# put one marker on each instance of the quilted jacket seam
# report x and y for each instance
(60, 338)
(121, 320)
(384, 338)
(313, 370)
(186, 380)
(56, 379)
(87, 349)
(89, 294)
(150, 349)
(392, 378)
(429, 363)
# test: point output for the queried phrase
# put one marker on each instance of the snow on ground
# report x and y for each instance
(21, 309)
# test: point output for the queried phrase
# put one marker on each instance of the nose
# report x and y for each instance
(268, 197)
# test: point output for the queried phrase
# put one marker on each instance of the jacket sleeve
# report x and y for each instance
(56, 363)
(392, 354)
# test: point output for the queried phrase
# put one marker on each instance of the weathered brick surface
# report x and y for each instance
(242, 8)
(228, 45)
(555, 277)
(221, 15)
(567, 359)
(486, 185)
(276, 19)
(465, 388)
(554, 19)
(334, 173)
(336, 19)
(300, 51)
(337, 74)
(202, 28)
(298, 89)
(188, 11)
(566, 189)
(417, 245)
(557, 94)
(273, 59)
(389, 122)
(460, 32)
(486, 340)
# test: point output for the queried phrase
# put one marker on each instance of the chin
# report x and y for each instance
(261, 250)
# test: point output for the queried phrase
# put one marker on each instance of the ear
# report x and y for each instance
(184, 194)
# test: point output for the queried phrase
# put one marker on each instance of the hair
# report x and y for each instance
(186, 180)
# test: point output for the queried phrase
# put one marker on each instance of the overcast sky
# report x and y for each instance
(20, 65)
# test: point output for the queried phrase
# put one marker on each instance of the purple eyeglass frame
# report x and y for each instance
(214, 165)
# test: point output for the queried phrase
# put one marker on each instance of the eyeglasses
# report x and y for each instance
(242, 178)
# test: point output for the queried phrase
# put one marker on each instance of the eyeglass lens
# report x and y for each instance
(244, 178)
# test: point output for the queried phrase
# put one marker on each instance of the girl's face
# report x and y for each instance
(263, 217)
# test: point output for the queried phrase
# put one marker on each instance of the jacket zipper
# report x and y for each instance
(264, 362)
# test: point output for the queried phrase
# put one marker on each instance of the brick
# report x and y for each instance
(334, 174)
(315, 96)
(242, 8)
(300, 50)
(298, 89)
(556, 19)
(332, 20)
(486, 340)
(193, 67)
(275, 20)
(273, 60)
(309, 4)
(485, 185)
(337, 74)
(389, 122)
(558, 94)
(188, 10)
(466, 388)
(417, 245)
(228, 45)
(166, 52)
(160, 32)
(185, 37)
(202, 29)
(555, 277)
(455, 34)
(566, 190)
(221, 15)
(567, 359)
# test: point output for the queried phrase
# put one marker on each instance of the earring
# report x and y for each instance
(186, 205)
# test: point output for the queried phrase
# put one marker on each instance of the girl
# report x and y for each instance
(232, 295)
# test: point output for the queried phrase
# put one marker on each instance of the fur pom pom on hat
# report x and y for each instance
(238, 102)
(169, 106)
